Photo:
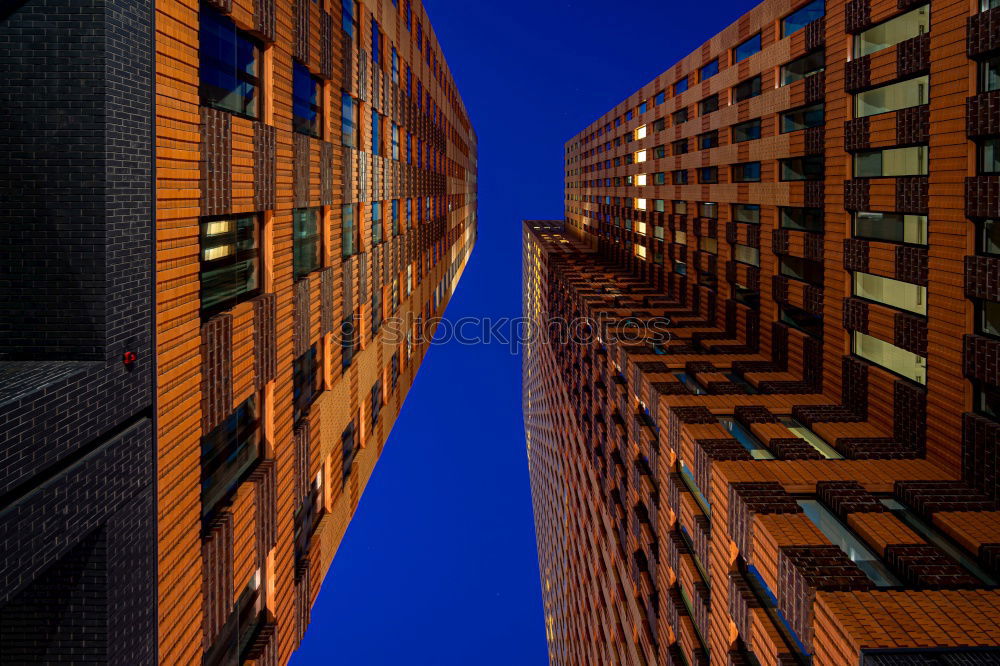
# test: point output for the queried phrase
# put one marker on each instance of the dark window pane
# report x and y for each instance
(229, 262)
(807, 116)
(746, 131)
(747, 48)
(228, 68)
(306, 241)
(747, 89)
(307, 113)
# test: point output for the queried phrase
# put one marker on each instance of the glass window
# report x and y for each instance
(911, 161)
(708, 209)
(802, 269)
(989, 318)
(890, 357)
(679, 147)
(659, 205)
(798, 318)
(893, 227)
(893, 31)
(989, 156)
(642, 107)
(228, 67)
(376, 133)
(747, 213)
(855, 549)
(230, 262)
(680, 267)
(349, 231)
(708, 175)
(747, 48)
(228, 452)
(746, 89)
(747, 131)
(800, 18)
(680, 116)
(748, 172)
(640, 132)
(681, 86)
(348, 16)
(894, 293)
(680, 237)
(679, 177)
(709, 70)
(746, 254)
(708, 105)
(659, 151)
(802, 219)
(307, 241)
(395, 217)
(807, 65)
(307, 381)
(659, 178)
(640, 156)
(395, 141)
(892, 97)
(376, 222)
(660, 98)
(989, 74)
(307, 110)
(708, 140)
(376, 43)
(710, 245)
(990, 236)
(659, 124)
(395, 66)
(802, 118)
(802, 168)
(349, 120)
(680, 208)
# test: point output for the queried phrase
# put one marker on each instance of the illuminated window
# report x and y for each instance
(892, 227)
(640, 204)
(894, 293)
(640, 251)
(640, 156)
(890, 357)
(640, 132)
(892, 97)
(893, 31)
(640, 180)
(910, 161)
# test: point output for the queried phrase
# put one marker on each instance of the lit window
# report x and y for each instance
(893, 31)
(911, 161)
(230, 262)
(640, 132)
(640, 204)
(640, 180)
(894, 293)
(640, 156)
(890, 357)
(640, 251)
(892, 97)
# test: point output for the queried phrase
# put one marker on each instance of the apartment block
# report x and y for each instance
(760, 406)
(227, 229)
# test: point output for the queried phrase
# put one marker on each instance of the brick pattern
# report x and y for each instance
(856, 253)
(749, 498)
(910, 332)
(982, 277)
(857, 16)
(857, 75)
(217, 582)
(913, 125)
(982, 196)
(217, 165)
(263, 14)
(856, 315)
(980, 450)
(265, 339)
(911, 264)
(217, 372)
(857, 194)
(263, 165)
(302, 316)
(300, 163)
(913, 56)
(983, 33)
(265, 481)
(912, 194)
(982, 114)
(327, 315)
(847, 497)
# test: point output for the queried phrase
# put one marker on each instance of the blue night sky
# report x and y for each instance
(439, 566)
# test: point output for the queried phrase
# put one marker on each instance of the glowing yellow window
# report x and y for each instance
(640, 228)
(640, 180)
(640, 204)
(640, 132)
(640, 251)
(640, 156)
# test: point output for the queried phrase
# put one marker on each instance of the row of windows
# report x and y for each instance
(876, 38)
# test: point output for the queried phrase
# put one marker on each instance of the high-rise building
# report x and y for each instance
(223, 228)
(761, 404)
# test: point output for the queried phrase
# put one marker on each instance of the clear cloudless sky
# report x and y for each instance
(438, 566)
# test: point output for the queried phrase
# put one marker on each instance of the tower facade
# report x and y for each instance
(237, 233)
(759, 398)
